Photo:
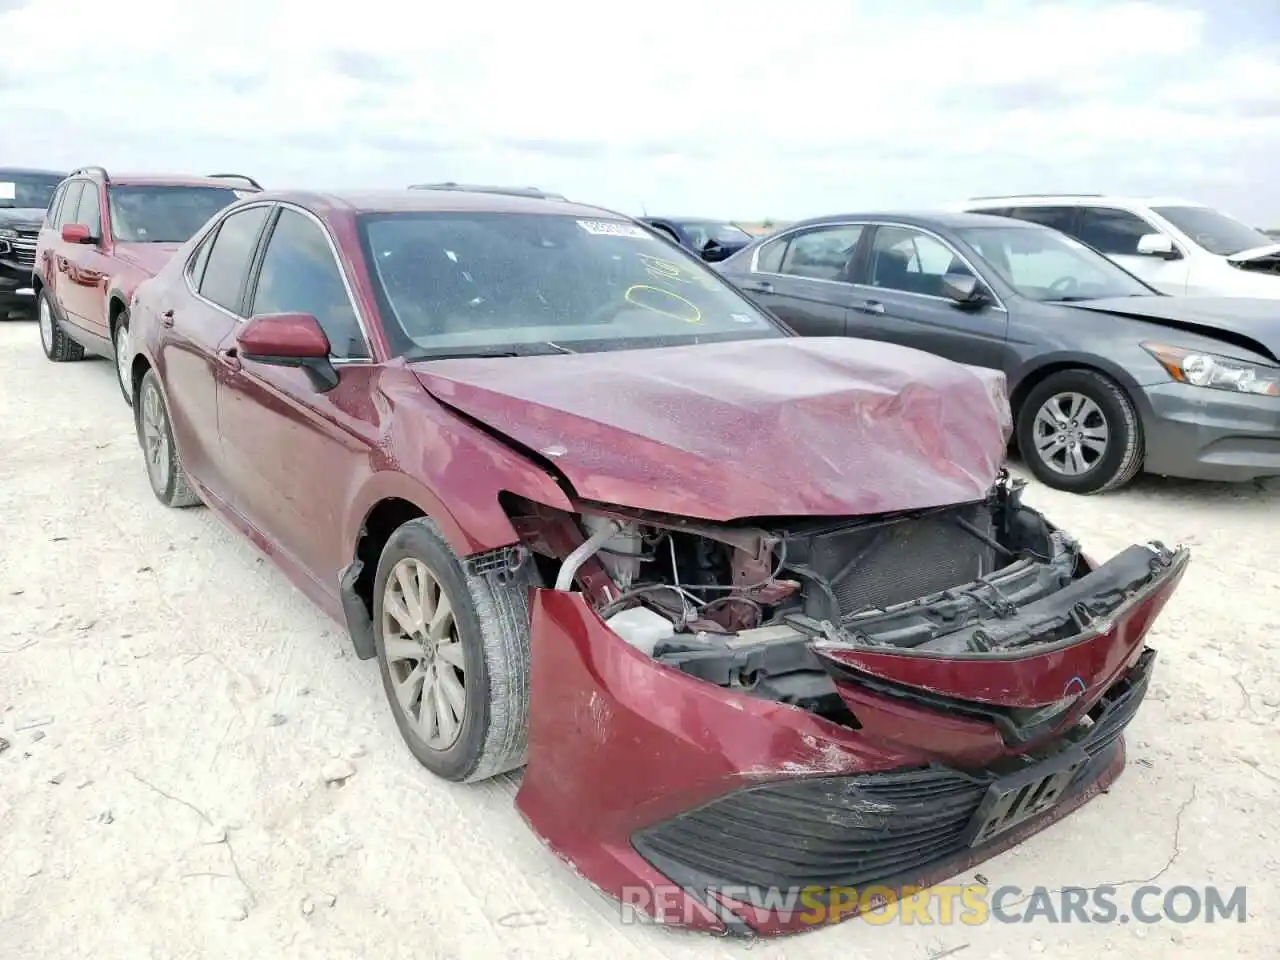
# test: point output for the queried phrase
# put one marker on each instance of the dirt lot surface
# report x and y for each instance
(170, 707)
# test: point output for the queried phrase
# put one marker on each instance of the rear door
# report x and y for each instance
(802, 277)
(1116, 233)
(292, 452)
(900, 299)
(195, 325)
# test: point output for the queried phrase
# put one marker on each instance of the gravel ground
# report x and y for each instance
(171, 707)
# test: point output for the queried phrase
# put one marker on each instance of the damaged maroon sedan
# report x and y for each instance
(757, 612)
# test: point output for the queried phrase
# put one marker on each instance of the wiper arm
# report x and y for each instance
(544, 349)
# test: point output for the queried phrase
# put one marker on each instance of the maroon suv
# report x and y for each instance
(101, 236)
(763, 614)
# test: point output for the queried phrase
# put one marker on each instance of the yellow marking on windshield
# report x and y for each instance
(660, 269)
(683, 316)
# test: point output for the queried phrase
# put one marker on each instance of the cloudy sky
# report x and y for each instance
(725, 108)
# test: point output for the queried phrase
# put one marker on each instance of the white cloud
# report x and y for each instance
(713, 108)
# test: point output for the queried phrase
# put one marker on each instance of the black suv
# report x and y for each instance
(24, 197)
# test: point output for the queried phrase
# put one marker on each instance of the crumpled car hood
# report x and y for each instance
(1252, 317)
(780, 427)
(148, 257)
(1256, 253)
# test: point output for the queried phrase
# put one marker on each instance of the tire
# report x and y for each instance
(1097, 399)
(164, 467)
(122, 356)
(58, 347)
(489, 636)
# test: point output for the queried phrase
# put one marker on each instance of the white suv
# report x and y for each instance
(1176, 246)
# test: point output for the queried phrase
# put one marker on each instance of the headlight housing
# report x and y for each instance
(1200, 369)
(7, 233)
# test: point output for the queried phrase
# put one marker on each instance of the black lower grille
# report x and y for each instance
(856, 830)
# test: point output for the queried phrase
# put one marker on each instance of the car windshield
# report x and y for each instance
(1215, 231)
(1042, 264)
(161, 214)
(26, 191)
(468, 284)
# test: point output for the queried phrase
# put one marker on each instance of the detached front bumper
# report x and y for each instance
(676, 796)
(1203, 434)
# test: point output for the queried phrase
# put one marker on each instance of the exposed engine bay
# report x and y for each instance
(1265, 264)
(745, 606)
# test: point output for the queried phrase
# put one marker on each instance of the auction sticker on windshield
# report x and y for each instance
(8, 191)
(611, 228)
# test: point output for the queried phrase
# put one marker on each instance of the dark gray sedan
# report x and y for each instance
(1106, 376)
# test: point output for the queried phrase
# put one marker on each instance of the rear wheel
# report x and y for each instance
(453, 649)
(164, 468)
(58, 347)
(120, 343)
(1078, 431)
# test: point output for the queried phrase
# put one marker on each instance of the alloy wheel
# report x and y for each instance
(45, 319)
(155, 438)
(424, 653)
(122, 356)
(1070, 433)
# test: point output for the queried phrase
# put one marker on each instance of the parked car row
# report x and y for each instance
(1106, 376)
(755, 609)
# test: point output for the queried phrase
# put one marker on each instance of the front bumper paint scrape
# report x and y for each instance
(661, 789)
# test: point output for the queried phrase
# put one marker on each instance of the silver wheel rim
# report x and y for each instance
(122, 356)
(1071, 434)
(155, 439)
(424, 654)
(46, 326)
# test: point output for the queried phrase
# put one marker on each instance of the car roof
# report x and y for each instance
(1079, 199)
(174, 180)
(428, 201)
(944, 219)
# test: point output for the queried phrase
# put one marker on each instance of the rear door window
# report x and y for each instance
(825, 253)
(229, 258)
(1063, 219)
(1111, 231)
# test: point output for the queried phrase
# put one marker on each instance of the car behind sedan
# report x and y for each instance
(592, 510)
(1106, 377)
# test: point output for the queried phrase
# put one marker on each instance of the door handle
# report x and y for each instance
(758, 286)
(229, 358)
(166, 318)
(871, 306)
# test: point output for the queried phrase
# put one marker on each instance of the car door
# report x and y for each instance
(901, 300)
(194, 327)
(56, 265)
(89, 265)
(292, 452)
(802, 278)
(1115, 233)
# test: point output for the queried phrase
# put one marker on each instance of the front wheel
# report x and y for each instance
(120, 344)
(1078, 431)
(453, 650)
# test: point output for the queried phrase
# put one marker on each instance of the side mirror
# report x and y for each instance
(289, 340)
(1158, 245)
(963, 289)
(77, 233)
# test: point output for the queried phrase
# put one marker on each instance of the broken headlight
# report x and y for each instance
(1220, 373)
